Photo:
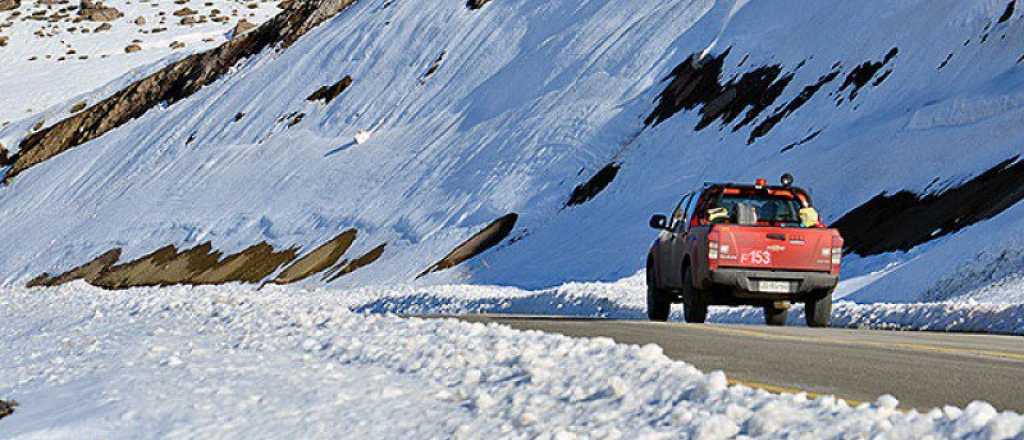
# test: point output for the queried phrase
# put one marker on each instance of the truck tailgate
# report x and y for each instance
(774, 248)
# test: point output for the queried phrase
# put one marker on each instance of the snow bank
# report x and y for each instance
(626, 298)
(232, 362)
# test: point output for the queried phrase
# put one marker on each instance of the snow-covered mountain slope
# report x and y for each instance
(53, 53)
(456, 117)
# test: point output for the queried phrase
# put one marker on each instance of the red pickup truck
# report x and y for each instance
(735, 244)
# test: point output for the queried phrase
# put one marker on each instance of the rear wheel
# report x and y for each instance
(818, 309)
(695, 303)
(658, 306)
(775, 316)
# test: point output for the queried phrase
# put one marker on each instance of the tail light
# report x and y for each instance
(713, 248)
(837, 253)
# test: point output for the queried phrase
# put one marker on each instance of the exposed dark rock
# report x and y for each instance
(805, 95)
(901, 221)
(584, 192)
(435, 65)
(99, 13)
(241, 27)
(863, 73)
(696, 82)
(881, 78)
(184, 12)
(1009, 11)
(805, 140)
(172, 83)
(251, 265)
(328, 93)
(347, 267)
(476, 245)
(89, 271)
(7, 407)
(476, 4)
(318, 260)
(4, 158)
(165, 267)
(130, 49)
(239, 116)
(9, 5)
(945, 62)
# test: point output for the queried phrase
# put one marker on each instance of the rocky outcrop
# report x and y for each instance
(318, 260)
(184, 12)
(171, 84)
(89, 271)
(90, 11)
(347, 267)
(251, 265)
(9, 5)
(203, 265)
(476, 245)
(584, 192)
(5, 159)
(476, 4)
(328, 93)
(7, 407)
(241, 27)
(165, 267)
(901, 221)
(696, 83)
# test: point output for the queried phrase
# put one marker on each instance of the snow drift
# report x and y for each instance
(230, 362)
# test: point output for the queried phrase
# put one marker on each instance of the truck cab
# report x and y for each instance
(744, 244)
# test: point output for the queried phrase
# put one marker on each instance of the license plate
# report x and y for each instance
(775, 286)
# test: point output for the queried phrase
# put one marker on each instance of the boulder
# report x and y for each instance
(90, 11)
(242, 27)
(132, 48)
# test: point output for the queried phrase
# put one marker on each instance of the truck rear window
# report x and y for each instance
(768, 209)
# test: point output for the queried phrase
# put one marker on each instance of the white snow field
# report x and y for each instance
(529, 100)
(218, 362)
(41, 81)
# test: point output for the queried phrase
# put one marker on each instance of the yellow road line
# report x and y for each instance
(1018, 357)
(777, 389)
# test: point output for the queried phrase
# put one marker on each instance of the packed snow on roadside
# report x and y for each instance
(234, 362)
(625, 299)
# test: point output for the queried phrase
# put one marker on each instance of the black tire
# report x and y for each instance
(775, 316)
(818, 309)
(658, 306)
(695, 303)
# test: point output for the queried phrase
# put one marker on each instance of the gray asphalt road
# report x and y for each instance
(923, 370)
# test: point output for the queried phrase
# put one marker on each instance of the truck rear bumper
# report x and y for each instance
(748, 283)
